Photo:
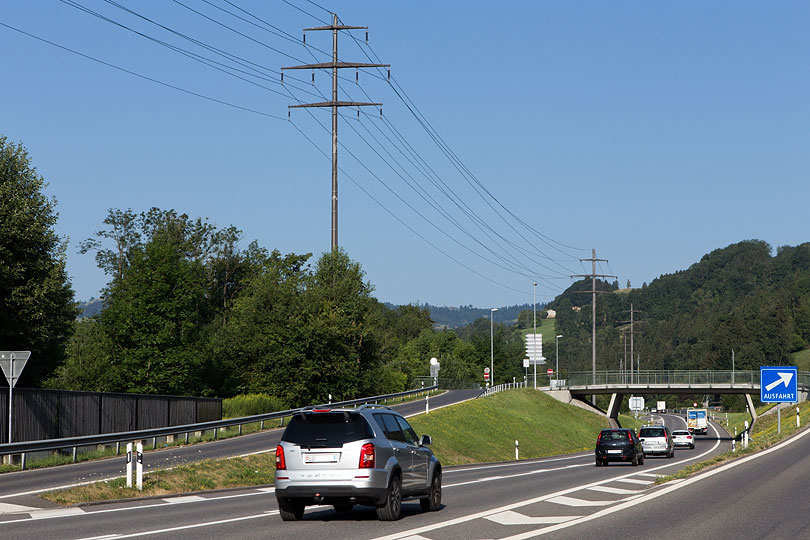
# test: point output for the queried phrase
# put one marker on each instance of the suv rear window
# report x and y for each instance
(655, 432)
(326, 430)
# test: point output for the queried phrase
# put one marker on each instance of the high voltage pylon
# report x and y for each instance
(335, 103)
(593, 275)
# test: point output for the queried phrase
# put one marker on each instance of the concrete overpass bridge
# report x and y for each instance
(580, 385)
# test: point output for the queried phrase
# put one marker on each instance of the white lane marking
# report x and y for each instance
(57, 488)
(572, 501)
(56, 513)
(649, 475)
(270, 489)
(515, 464)
(183, 500)
(491, 478)
(7, 508)
(615, 491)
(104, 537)
(635, 481)
(192, 526)
(527, 502)
(514, 518)
(416, 537)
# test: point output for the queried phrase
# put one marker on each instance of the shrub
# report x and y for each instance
(250, 404)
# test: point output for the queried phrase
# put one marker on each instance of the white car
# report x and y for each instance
(682, 437)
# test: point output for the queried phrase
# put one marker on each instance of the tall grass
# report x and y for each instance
(251, 404)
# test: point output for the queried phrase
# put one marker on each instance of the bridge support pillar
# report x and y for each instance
(751, 409)
(615, 406)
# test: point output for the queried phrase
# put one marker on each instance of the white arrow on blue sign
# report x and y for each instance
(778, 384)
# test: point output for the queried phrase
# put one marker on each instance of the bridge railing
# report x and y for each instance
(680, 377)
(661, 377)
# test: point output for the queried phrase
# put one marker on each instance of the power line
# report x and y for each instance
(144, 77)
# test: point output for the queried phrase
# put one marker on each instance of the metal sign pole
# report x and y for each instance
(10, 395)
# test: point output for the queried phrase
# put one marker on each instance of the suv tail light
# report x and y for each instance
(599, 438)
(281, 465)
(367, 456)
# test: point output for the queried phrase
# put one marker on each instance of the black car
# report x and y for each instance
(618, 445)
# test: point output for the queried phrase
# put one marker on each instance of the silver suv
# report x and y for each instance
(343, 457)
(656, 440)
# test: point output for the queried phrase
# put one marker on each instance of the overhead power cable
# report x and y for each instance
(144, 77)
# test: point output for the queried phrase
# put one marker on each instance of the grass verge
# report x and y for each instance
(252, 470)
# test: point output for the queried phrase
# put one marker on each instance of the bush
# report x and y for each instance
(250, 404)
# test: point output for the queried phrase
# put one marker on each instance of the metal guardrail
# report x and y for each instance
(675, 377)
(501, 387)
(124, 436)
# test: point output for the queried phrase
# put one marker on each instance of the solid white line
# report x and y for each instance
(514, 518)
(615, 491)
(515, 463)
(193, 526)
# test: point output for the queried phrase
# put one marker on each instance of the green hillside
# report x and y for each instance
(485, 430)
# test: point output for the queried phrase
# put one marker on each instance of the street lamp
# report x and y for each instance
(557, 356)
(491, 349)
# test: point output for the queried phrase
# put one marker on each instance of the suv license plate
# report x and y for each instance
(321, 458)
(614, 451)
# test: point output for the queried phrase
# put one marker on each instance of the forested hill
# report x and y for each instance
(742, 297)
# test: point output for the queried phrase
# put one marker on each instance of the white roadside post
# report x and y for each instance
(516, 450)
(139, 467)
(129, 464)
(427, 403)
(745, 435)
(778, 418)
(797, 417)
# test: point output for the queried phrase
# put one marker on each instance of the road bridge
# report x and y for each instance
(617, 384)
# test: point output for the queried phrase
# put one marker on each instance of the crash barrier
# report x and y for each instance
(502, 387)
(22, 448)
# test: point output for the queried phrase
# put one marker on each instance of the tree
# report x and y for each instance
(37, 308)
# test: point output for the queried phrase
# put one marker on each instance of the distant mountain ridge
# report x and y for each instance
(457, 317)
(90, 308)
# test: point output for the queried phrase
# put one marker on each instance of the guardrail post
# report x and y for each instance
(75, 451)
(117, 447)
(154, 443)
(240, 429)
(261, 425)
(186, 437)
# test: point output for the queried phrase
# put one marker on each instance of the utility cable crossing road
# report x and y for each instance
(558, 497)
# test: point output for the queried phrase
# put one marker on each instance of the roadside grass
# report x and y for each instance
(802, 359)
(484, 430)
(255, 470)
(763, 436)
(631, 422)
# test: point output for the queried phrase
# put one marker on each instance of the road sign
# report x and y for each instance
(12, 364)
(486, 373)
(636, 403)
(778, 384)
(549, 371)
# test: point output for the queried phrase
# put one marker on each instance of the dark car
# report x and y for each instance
(618, 445)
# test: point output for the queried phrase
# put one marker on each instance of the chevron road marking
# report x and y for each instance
(514, 518)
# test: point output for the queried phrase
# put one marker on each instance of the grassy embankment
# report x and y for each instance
(482, 430)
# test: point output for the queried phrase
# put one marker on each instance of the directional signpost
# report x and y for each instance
(534, 350)
(12, 364)
(778, 384)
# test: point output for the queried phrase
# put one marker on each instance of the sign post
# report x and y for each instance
(12, 364)
(534, 350)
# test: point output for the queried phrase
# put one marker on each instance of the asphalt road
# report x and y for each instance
(21, 487)
(561, 497)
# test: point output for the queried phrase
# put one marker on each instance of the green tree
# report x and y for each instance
(37, 308)
(89, 364)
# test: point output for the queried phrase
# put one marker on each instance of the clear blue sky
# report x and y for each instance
(653, 132)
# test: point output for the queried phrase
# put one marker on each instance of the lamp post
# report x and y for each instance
(534, 307)
(557, 356)
(491, 348)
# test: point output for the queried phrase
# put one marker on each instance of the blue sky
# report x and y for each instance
(653, 132)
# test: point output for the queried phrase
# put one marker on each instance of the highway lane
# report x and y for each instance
(30, 482)
(482, 501)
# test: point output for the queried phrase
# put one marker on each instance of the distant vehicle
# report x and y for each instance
(653, 411)
(662, 406)
(618, 445)
(656, 440)
(683, 437)
(697, 421)
(369, 455)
